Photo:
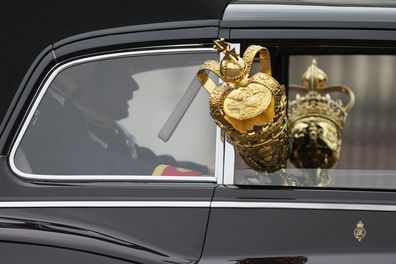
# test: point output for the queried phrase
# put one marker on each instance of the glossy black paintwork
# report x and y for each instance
(146, 235)
(236, 234)
(42, 254)
(36, 73)
(189, 34)
(279, 232)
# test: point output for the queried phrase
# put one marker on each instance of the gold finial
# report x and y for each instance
(221, 46)
(233, 68)
(314, 78)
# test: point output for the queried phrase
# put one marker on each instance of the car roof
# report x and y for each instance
(310, 14)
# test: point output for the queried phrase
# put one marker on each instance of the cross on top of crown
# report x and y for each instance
(221, 46)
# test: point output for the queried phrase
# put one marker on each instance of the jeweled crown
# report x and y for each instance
(314, 104)
(360, 224)
(250, 106)
(317, 101)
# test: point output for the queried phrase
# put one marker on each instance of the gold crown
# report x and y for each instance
(360, 224)
(317, 101)
(250, 107)
(314, 104)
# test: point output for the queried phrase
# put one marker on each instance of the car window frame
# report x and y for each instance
(56, 69)
(371, 38)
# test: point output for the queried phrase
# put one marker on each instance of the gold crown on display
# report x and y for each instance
(314, 104)
(317, 101)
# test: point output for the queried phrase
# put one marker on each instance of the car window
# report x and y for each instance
(105, 116)
(367, 157)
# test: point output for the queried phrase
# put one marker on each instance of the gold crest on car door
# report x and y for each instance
(359, 232)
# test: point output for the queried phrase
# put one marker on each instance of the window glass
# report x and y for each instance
(368, 149)
(103, 117)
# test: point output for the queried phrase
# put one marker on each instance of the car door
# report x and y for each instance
(62, 190)
(257, 219)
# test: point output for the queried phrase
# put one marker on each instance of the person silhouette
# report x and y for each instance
(77, 132)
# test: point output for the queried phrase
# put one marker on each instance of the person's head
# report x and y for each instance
(107, 89)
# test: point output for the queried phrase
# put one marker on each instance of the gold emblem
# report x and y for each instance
(251, 110)
(359, 232)
(247, 102)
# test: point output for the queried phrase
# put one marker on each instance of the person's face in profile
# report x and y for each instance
(112, 88)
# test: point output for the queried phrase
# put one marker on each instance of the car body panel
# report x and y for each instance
(259, 224)
(114, 232)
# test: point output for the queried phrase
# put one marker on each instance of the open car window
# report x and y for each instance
(367, 157)
(102, 116)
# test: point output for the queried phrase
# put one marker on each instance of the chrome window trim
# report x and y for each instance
(304, 206)
(145, 178)
(219, 159)
(229, 151)
(84, 204)
(229, 163)
(199, 204)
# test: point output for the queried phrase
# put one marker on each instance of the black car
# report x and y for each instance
(109, 153)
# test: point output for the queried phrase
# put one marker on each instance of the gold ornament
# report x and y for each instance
(247, 102)
(316, 122)
(251, 110)
(359, 232)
